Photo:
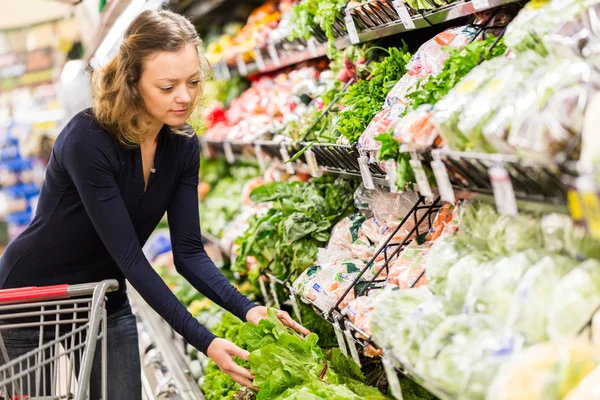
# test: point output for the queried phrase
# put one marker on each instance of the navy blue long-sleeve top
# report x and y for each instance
(93, 217)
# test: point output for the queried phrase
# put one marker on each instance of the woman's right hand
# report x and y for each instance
(222, 352)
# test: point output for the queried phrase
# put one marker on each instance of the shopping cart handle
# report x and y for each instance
(32, 293)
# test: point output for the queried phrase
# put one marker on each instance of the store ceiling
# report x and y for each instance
(23, 13)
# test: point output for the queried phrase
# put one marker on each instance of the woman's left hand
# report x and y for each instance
(259, 313)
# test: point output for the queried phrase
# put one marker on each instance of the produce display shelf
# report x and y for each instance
(387, 25)
(163, 358)
(374, 20)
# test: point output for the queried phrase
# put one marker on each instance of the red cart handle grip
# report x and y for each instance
(33, 293)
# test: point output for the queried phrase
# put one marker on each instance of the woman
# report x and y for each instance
(114, 171)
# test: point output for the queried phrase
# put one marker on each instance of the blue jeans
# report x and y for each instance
(123, 357)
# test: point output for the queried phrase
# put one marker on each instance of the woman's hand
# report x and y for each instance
(222, 352)
(256, 314)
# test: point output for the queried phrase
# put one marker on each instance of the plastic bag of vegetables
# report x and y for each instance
(461, 277)
(464, 352)
(392, 307)
(574, 300)
(447, 111)
(530, 303)
(416, 327)
(588, 388)
(442, 256)
(547, 371)
(493, 287)
(515, 233)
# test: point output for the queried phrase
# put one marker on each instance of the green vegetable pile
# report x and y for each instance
(309, 14)
(287, 237)
(457, 66)
(364, 99)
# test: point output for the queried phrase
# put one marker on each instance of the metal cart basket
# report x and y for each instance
(48, 338)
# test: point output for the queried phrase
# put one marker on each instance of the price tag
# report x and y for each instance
(365, 172)
(351, 28)
(273, 54)
(226, 72)
(575, 207)
(480, 5)
(352, 346)
(285, 156)
(404, 15)
(260, 157)
(274, 294)
(421, 177)
(392, 378)
(391, 168)
(340, 339)
(241, 64)
(205, 149)
(296, 307)
(312, 48)
(228, 152)
(443, 181)
(504, 193)
(260, 62)
(590, 204)
(311, 161)
(263, 290)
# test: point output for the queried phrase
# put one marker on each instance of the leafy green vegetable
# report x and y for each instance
(287, 237)
(309, 14)
(364, 99)
(460, 62)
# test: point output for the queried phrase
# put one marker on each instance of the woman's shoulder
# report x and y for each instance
(83, 133)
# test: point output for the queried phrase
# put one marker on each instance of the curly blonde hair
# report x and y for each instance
(116, 105)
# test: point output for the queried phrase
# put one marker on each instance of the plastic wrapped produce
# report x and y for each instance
(303, 283)
(443, 255)
(364, 249)
(588, 388)
(345, 233)
(461, 276)
(392, 307)
(416, 128)
(447, 111)
(415, 328)
(547, 371)
(515, 233)
(476, 218)
(408, 270)
(531, 300)
(493, 287)
(574, 300)
(464, 352)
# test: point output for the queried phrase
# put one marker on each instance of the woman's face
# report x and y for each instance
(169, 85)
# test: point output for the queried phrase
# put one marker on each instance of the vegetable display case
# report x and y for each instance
(419, 273)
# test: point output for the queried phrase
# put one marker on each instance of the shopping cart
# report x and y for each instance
(64, 325)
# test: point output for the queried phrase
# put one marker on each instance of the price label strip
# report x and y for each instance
(228, 152)
(404, 15)
(391, 168)
(365, 173)
(340, 338)
(260, 157)
(263, 291)
(241, 64)
(480, 5)
(421, 177)
(311, 161)
(392, 378)
(443, 181)
(352, 346)
(504, 193)
(285, 156)
(274, 55)
(260, 62)
(351, 28)
(274, 294)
